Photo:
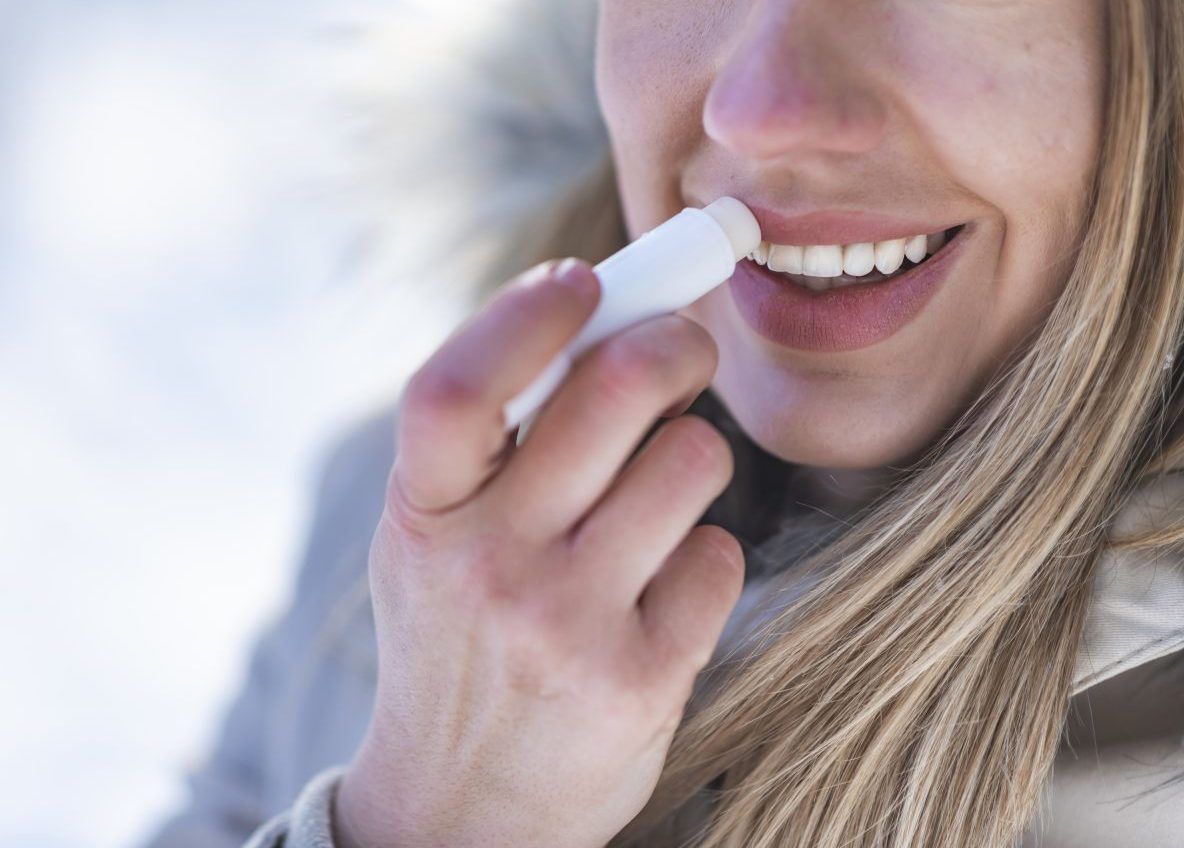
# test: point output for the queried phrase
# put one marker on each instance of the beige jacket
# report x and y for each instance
(307, 694)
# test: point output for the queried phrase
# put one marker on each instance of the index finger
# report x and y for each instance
(451, 431)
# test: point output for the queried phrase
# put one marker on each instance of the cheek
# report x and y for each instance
(655, 64)
(1017, 125)
(636, 66)
(640, 110)
(1012, 116)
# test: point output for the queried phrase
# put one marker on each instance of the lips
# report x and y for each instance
(846, 318)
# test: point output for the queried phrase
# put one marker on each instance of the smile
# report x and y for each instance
(823, 306)
(823, 267)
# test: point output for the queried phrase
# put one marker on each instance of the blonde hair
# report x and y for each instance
(916, 693)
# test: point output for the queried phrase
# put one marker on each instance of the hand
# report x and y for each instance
(542, 612)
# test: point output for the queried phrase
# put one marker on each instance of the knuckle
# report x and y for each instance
(725, 547)
(703, 449)
(628, 366)
(434, 393)
(486, 579)
(402, 523)
(405, 526)
(699, 342)
(469, 570)
(540, 620)
(674, 649)
(655, 355)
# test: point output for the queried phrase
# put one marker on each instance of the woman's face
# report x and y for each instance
(892, 118)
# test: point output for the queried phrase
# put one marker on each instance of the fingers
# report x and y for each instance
(685, 607)
(656, 501)
(681, 405)
(451, 435)
(596, 419)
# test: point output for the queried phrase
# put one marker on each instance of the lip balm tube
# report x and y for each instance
(666, 269)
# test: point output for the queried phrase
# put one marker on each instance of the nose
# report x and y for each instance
(793, 84)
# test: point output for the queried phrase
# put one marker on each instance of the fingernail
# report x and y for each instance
(576, 275)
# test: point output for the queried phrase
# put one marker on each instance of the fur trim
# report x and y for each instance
(477, 143)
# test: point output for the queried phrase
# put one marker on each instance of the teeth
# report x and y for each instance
(889, 256)
(823, 260)
(859, 259)
(914, 248)
(787, 258)
(819, 264)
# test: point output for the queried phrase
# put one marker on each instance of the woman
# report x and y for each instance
(917, 583)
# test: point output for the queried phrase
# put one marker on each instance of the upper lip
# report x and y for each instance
(840, 226)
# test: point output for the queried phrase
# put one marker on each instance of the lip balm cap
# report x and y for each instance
(738, 223)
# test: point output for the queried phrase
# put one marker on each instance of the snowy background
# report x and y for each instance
(179, 341)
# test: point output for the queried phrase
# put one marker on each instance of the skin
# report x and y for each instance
(540, 624)
(543, 611)
(963, 110)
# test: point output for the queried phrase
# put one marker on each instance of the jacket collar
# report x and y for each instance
(1136, 614)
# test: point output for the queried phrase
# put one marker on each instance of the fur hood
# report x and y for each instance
(476, 145)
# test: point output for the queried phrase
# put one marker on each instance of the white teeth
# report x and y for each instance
(859, 259)
(889, 256)
(914, 248)
(823, 260)
(819, 264)
(786, 258)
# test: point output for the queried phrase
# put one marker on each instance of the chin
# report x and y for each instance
(817, 425)
(829, 416)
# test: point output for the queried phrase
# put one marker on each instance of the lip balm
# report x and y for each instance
(666, 269)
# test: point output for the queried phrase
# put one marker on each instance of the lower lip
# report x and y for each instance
(841, 319)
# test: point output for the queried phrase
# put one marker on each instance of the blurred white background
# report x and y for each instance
(178, 342)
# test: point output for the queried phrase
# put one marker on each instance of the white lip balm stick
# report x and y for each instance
(668, 268)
